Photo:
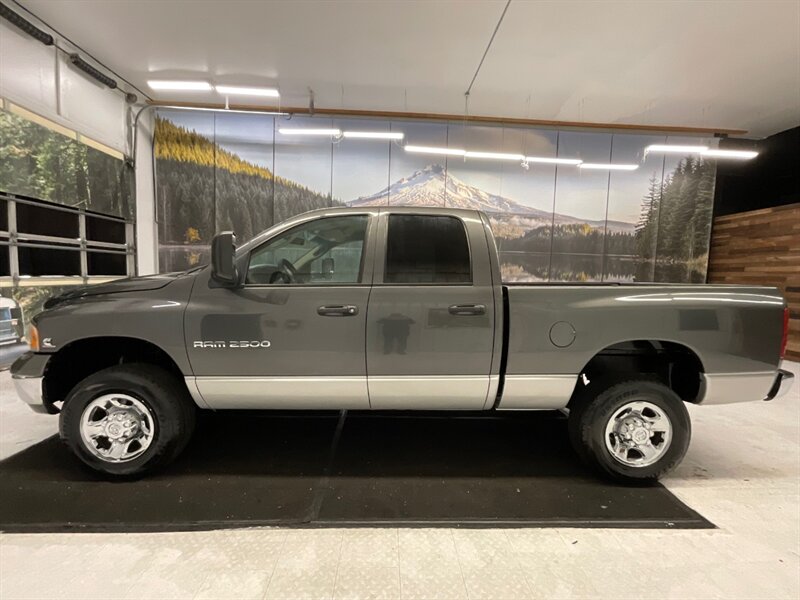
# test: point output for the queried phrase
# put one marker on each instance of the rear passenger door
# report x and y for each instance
(430, 324)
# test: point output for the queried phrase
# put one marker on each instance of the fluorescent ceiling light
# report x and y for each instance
(495, 155)
(739, 154)
(609, 167)
(434, 150)
(302, 131)
(235, 90)
(186, 86)
(222, 110)
(676, 148)
(553, 161)
(374, 135)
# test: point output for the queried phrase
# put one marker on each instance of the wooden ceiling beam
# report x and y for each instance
(473, 119)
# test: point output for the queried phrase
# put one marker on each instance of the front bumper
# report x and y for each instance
(783, 382)
(27, 374)
(29, 390)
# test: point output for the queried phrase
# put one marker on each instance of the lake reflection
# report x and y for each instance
(530, 267)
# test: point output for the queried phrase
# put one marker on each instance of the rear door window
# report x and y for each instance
(427, 249)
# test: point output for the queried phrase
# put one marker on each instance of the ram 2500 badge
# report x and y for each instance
(394, 308)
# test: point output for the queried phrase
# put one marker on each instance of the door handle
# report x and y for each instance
(338, 310)
(466, 310)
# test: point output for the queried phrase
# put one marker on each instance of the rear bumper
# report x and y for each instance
(783, 382)
(728, 388)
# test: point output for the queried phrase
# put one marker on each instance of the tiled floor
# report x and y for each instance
(742, 472)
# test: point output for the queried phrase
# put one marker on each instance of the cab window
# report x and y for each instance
(323, 251)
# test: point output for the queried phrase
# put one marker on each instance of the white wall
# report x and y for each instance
(146, 228)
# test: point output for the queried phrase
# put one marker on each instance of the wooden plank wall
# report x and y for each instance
(761, 247)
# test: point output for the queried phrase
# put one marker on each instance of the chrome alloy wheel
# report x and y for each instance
(638, 434)
(117, 427)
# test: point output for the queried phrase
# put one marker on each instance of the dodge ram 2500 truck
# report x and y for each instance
(394, 308)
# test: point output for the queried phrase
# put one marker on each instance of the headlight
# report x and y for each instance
(33, 336)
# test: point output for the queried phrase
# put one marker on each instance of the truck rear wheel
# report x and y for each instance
(127, 420)
(635, 431)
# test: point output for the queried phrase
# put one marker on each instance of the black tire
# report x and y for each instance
(590, 415)
(172, 409)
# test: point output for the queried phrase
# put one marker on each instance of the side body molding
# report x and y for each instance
(281, 393)
(537, 392)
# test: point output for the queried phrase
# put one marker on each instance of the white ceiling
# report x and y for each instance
(690, 63)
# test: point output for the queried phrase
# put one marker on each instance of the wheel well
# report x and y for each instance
(673, 364)
(79, 359)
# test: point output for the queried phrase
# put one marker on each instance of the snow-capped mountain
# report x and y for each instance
(432, 187)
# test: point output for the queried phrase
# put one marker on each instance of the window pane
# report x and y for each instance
(106, 263)
(42, 220)
(5, 268)
(427, 249)
(322, 251)
(104, 230)
(3, 215)
(48, 261)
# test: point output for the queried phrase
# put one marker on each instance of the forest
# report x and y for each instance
(675, 221)
(44, 164)
(202, 188)
(572, 238)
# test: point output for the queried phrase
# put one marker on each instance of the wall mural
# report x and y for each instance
(217, 171)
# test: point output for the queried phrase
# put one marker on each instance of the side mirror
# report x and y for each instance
(223, 266)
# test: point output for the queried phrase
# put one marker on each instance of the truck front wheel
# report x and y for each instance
(635, 431)
(127, 420)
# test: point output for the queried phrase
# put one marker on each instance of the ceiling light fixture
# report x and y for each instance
(553, 161)
(180, 86)
(221, 110)
(302, 131)
(235, 90)
(669, 148)
(374, 135)
(495, 156)
(435, 150)
(609, 167)
(737, 154)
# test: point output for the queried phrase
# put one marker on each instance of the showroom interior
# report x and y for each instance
(399, 299)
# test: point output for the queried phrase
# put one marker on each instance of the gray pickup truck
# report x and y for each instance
(394, 309)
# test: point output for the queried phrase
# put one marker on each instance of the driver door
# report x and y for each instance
(292, 336)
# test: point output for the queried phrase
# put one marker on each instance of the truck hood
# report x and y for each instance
(129, 284)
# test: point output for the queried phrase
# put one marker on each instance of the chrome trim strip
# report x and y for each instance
(428, 392)
(314, 393)
(537, 392)
(729, 388)
(29, 390)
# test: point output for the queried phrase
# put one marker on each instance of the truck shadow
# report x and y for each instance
(375, 444)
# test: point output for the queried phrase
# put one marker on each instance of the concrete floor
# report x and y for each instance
(742, 472)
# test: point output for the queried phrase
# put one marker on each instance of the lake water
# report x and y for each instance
(530, 267)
